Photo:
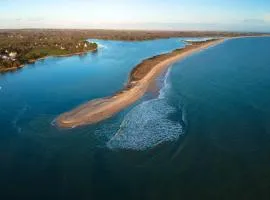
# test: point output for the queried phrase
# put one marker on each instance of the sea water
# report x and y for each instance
(205, 135)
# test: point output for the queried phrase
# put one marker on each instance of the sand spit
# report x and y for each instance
(99, 109)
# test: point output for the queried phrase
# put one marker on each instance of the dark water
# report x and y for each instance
(205, 135)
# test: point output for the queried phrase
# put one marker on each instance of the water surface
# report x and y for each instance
(204, 135)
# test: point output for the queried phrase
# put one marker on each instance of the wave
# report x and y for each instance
(147, 124)
(166, 85)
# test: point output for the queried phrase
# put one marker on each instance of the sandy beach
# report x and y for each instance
(141, 76)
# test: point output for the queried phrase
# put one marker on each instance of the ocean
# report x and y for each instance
(204, 134)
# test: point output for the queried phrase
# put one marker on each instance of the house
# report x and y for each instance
(12, 55)
(4, 57)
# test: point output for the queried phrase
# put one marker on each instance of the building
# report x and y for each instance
(12, 55)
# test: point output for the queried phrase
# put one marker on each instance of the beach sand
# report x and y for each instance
(141, 76)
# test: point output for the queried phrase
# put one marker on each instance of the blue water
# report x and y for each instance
(39, 92)
(204, 134)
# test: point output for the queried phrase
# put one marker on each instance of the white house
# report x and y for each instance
(4, 57)
(12, 54)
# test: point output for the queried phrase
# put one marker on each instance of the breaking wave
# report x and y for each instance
(147, 125)
(166, 85)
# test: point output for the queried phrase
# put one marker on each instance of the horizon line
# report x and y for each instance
(137, 29)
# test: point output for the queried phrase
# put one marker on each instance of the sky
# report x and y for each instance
(223, 15)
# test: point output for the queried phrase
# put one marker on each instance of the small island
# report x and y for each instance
(20, 48)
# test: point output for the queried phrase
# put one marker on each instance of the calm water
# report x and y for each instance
(204, 135)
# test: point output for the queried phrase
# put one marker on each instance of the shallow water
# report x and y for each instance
(204, 136)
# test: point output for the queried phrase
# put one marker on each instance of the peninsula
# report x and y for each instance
(139, 80)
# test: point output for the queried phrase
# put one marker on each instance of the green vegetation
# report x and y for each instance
(19, 48)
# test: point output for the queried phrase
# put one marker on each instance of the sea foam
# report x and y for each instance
(147, 124)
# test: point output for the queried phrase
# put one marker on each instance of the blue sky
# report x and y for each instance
(240, 15)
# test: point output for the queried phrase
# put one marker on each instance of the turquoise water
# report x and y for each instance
(204, 135)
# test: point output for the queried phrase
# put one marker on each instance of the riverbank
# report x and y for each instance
(139, 80)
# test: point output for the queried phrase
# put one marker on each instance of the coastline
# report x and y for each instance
(140, 77)
(4, 70)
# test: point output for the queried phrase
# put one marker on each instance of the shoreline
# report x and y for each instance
(140, 77)
(12, 69)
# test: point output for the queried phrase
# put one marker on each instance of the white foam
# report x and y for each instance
(147, 125)
(166, 85)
